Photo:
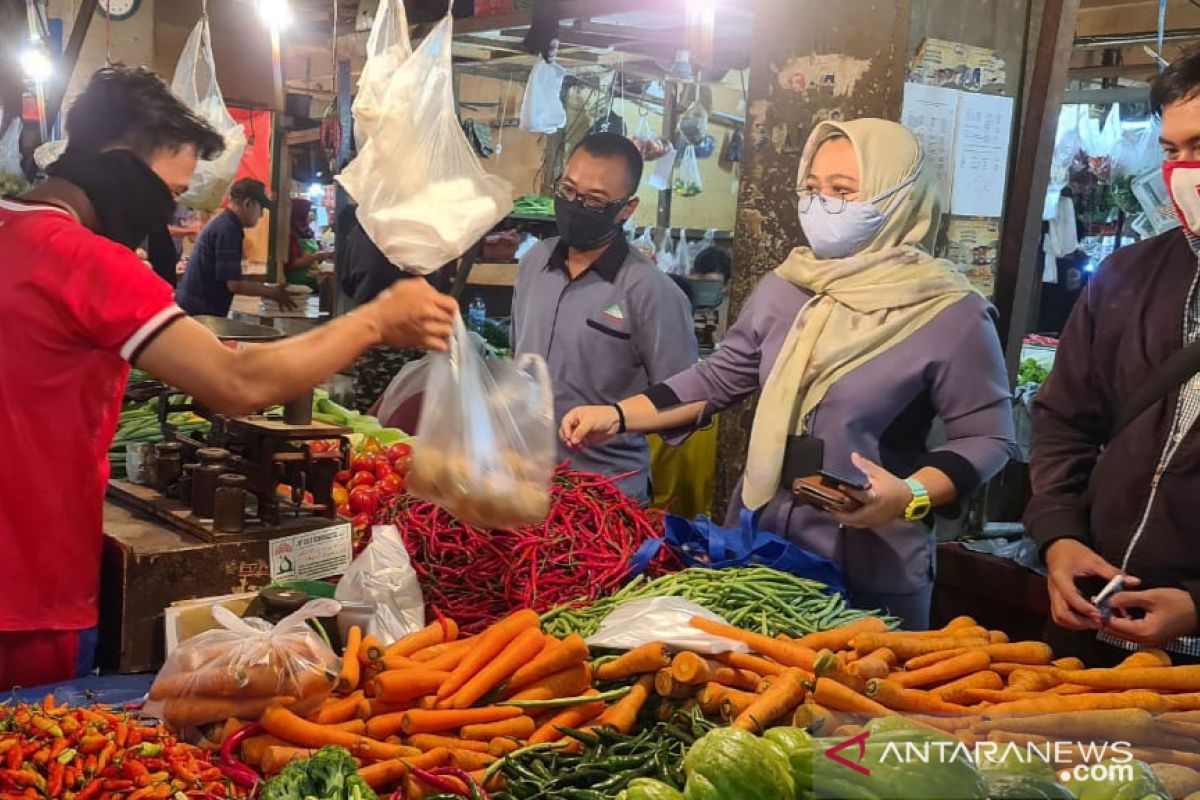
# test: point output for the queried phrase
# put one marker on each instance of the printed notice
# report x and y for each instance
(931, 112)
(311, 556)
(981, 155)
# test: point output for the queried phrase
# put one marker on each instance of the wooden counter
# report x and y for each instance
(999, 593)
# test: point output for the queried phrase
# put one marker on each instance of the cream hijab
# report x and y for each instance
(862, 305)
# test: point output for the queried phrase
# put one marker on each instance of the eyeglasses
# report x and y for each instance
(832, 205)
(591, 202)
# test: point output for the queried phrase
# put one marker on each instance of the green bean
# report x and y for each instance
(567, 702)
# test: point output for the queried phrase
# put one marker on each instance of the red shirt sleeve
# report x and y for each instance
(114, 299)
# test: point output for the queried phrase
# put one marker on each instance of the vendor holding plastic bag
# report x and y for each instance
(858, 341)
(606, 320)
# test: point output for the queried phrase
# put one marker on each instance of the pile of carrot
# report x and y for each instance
(436, 699)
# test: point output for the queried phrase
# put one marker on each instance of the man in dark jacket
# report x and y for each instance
(1128, 503)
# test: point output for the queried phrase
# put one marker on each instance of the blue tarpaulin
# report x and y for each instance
(114, 690)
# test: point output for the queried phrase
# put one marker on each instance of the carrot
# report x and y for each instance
(878, 664)
(398, 662)
(430, 741)
(1006, 668)
(638, 661)
(519, 651)
(452, 656)
(711, 694)
(839, 638)
(944, 671)
(735, 704)
(340, 710)
(904, 698)
(1183, 702)
(1020, 652)
(971, 632)
(490, 644)
(388, 772)
(1164, 679)
(287, 726)
(385, 725)
(666, 686)
(377, 707)
(1156, 755)
(435, 721)
(348, 677)
(1030, 680)
(827, 665)
(399, 686)
(956, 691)
(274, 759)
(503, 745)
(837, 697)
(1146, 658)
(186, 712)
(998, 637)
(427, 703)
(693, 670)
(1132, 725)
(557, 657)
(1070, 662)
(816, 719)
(751, 663)
(1051, 704)
(960, 622)
(907, 646)
(433, 634)
(254, 748)
(469, 760)
(623, 714)
(929, 659)
(570, 682)
(790, 654)
(517, 727)
(1069, 688)
(355, 726)
(1006, 695)
(950, 724)
(571, 717)
(785, 693)
(370, 650)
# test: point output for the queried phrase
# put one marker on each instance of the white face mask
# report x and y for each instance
(843, 234)
(1183, 183)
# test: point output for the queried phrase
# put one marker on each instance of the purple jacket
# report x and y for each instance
(951, 369)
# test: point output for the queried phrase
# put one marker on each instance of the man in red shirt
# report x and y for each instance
(77, 308)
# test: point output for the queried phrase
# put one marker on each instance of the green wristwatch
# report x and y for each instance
(920, 506)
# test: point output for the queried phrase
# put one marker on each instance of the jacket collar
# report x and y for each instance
(606, 266)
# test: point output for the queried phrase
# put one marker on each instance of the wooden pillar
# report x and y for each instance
(870, 37)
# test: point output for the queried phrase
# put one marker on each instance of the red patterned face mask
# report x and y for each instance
(1183, 184)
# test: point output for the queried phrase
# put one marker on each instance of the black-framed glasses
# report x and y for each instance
(598, 205)
(832, 205)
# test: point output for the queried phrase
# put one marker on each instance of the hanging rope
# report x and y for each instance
(1162, 25)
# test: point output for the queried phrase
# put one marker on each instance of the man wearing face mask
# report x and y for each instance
(77, 309)
(857, 342)
(214, 269)
(1115, 456)
(605, 318)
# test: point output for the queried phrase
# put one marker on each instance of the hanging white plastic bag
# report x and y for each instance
(645, 243)
(651, 145)
(666, 259)
(693, 122)
(542, 110)
(46, 154)
(422, 196)
(687, 177)
(383, 578)
(661, 619)
(660, 178)
(1100, 140)
(195, 83)
(10, 151)
(244, 666)
(683, 254)
(486, 446)
(388, 47)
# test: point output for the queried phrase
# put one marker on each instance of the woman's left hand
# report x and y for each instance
(883, 501)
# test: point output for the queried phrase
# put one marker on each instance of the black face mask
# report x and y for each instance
(129, 198)
(583, 229)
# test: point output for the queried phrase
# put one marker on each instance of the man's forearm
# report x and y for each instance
(251, 288)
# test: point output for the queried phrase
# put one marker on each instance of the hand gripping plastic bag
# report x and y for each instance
(542, 109)
(485, 448)
(244, 666)
(383, 578)
(661, 619)
(388, 47)
(196, 69)
(422, 196)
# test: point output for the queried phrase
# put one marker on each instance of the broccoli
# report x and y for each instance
(329, 774)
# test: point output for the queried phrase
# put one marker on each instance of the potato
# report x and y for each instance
(1180, 781)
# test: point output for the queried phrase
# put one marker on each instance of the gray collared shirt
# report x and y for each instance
(609, 334)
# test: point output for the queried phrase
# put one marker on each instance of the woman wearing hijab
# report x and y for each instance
(858, 342)
(299, 260)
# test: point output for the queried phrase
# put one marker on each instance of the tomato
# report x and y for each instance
(383, 469)
(364, 500)
(372, 446)
(360, 522)
(389, 485)
(363, 463)
(340, 494)
(361, 479)
(343, 510)
(343, 476)
(318, 446)
(399, 451)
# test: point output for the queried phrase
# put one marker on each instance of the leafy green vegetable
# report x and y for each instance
(329, 774)
(1032, 371)
(1144, 785)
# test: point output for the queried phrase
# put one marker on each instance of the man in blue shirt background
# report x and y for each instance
(214, 270)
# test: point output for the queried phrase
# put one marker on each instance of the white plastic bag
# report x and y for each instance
(542, 110)
(388, 47)
(383, 578)
(666, 259)
(651, 145)
(211, 180)
(10, 150)
(1137, 152)
(693, 122)
(661, 619)
(687, 177)
(645, 243)
(244, 666)
(1100, 140)
(422, 196)
(684, 254)
(486, 446)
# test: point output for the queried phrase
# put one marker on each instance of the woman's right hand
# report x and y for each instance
(584, 426)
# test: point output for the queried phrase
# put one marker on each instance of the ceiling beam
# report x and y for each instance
(79, 29)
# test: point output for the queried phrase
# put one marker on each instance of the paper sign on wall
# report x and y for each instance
(311, 556)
